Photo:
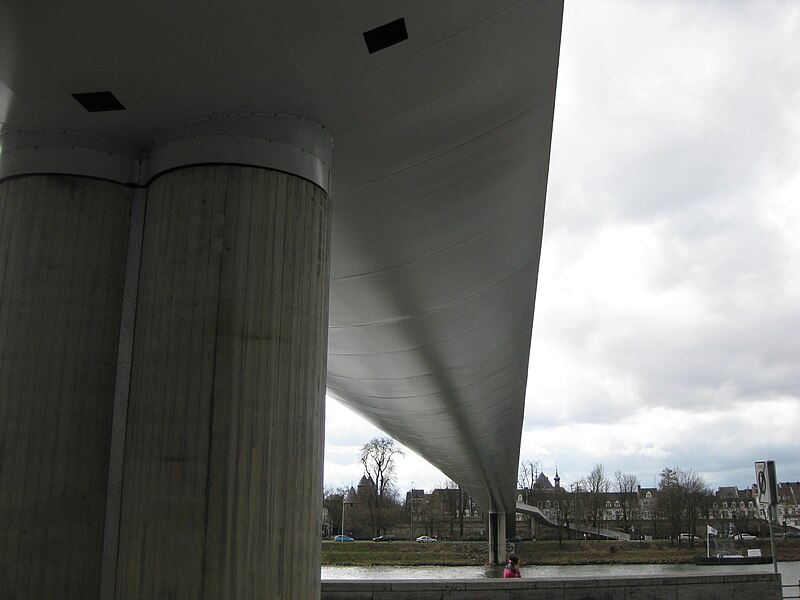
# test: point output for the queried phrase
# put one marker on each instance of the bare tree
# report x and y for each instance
(695, 500)
(597, 487)
(332, 499)
(528, 472)
(668, 505)
(452, 502)
(627, 485)
(378, 458)
(563, 511)
(742, 518)
(433, 510)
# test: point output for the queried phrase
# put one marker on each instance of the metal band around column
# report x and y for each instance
(280, 142)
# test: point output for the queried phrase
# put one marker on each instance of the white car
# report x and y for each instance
(425, 538)
(745, 536)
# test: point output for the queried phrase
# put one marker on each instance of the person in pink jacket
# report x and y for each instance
(512, 569)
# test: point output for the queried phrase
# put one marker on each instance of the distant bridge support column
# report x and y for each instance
(497, 537)
(223, 464)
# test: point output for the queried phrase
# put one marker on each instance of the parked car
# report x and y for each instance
(792, 534)
(686, 536)
(342, 538)
(516, 539)
(745, 536)
(425, 539)
(387, 537)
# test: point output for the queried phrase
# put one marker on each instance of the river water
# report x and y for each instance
(790, 571)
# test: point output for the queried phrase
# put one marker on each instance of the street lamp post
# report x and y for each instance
(343, 499)
(412, 510)
(575, 500)
(576, 488)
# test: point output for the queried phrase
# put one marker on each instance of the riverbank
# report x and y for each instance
(539, 552)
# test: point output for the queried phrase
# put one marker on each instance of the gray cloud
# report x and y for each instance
(669, 266)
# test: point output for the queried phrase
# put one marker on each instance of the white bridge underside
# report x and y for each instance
(440, 162)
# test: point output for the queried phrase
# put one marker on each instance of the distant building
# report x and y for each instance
(733, 504)
(439, 513)
(646, 497)
(788, 508)
(543, 483)
(366, 488)
(351, 500)
(445, 513)
(415, 496)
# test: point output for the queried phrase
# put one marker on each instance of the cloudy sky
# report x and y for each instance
(667, 323)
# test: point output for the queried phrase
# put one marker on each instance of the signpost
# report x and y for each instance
(767, 484)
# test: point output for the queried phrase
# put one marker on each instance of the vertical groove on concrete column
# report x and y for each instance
(62, 257)
(223, 469)
(121, 390)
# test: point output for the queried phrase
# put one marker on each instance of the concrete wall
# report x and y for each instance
(63, 245)
(765, 586)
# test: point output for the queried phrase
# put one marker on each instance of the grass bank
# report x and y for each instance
(539, 552)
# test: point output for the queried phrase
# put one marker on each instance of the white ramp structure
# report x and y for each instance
(210, 213)
(542, 517)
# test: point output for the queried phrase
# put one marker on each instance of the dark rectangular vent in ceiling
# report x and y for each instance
(386, 35)
(98, 101)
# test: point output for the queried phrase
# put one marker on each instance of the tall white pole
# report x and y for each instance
(412, 510)
(343, 497)
(772, 515)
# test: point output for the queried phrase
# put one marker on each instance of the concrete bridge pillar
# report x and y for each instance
(63, 243)
(497, 537)
(204, 481)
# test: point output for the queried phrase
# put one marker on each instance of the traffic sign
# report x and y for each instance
(766, 482)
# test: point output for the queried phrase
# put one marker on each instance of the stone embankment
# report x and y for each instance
(764, 586)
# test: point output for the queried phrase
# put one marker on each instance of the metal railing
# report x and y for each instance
(790, 585)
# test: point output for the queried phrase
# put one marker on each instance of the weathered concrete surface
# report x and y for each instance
(63, 243)
(497, 537)
(766, 586)
(223, 464)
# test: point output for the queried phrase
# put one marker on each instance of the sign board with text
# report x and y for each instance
(767, 482)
